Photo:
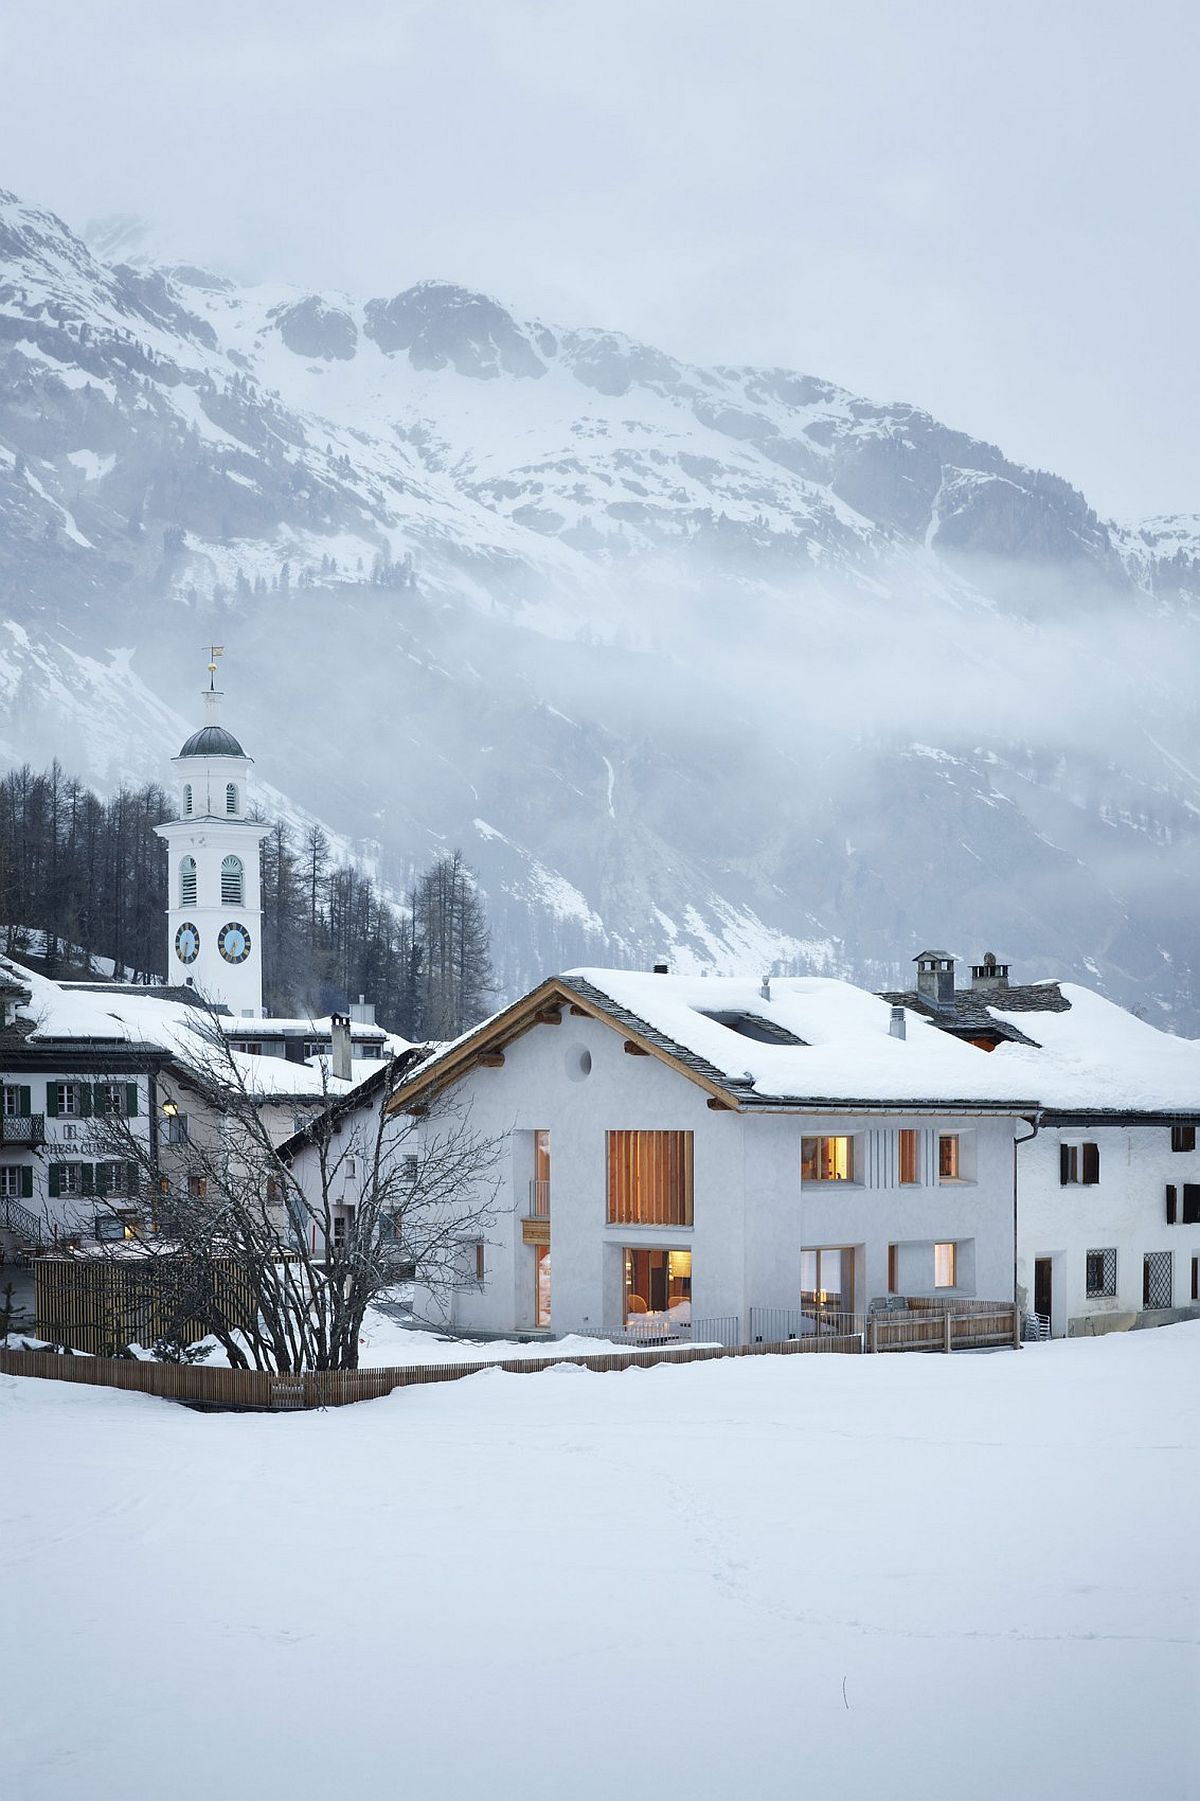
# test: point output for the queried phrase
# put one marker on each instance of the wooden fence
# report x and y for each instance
(200, 1386)
(227, 1389)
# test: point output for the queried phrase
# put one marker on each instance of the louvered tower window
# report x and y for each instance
(187, 797)
(231, 882)
(187, 882)
(231, 797)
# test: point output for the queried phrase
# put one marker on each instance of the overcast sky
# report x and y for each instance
(987, 209)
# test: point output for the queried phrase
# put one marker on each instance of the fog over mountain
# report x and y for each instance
(726, 663)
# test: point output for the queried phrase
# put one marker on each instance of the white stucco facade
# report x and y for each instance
(1123, 1213)
(753, 1217)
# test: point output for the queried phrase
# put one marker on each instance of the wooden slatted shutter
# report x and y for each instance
(85, 1099)
(27, 1182)
(131, 1179)
(87, 1178)
(1064, 1164)
(1170, 1203)
(1191, 1203)
(55, 1178)
(101, 1179)
(52, 1100)
(24, 1099)
(131, 1100)
(1091, 1164)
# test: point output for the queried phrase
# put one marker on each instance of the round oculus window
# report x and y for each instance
(579, 1063)
(187, 942)
(233, 942)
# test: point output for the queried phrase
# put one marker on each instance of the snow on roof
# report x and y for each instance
(311, 1028)
(1093, 1056)
(139, 1017)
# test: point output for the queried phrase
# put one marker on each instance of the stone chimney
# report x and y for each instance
(340, 1061)
(765, 988)
(362, 1011)
(989, 973)
(935, 977)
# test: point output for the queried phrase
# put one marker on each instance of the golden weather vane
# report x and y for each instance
(214, 651)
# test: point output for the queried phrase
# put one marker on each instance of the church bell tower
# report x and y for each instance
(214, 900)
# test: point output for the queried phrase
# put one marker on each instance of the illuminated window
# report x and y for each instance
(197, 1188)
(657, 1283)
(908, 1155)
(541, 1284)
(650, 1178)
(945, 1265)
(827, 1279)
(827, 1159)
(949, 1160)
(187, 882)
(539, 1187)
(231, 882)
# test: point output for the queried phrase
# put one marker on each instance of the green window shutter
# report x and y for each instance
(27, 1180)
(85, 1101)
(131, 1100)
(55, 1180)
(87, 1178)
(52, 1099)
(131, 1180)
(99, 1096)
(101, 1175)
(24, 1097)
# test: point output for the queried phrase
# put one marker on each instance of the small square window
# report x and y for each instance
(827, 1159)
(1183, 1138)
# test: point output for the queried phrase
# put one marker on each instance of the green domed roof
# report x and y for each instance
(212, 741)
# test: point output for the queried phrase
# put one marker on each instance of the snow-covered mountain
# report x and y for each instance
(723, 662)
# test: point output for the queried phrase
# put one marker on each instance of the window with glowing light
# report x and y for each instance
(827, 1159)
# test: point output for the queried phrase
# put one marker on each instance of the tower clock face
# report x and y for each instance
(233, 942)
(187, 942)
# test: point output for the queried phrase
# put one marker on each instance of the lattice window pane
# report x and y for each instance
(1101, 1274)
(1156, 1279)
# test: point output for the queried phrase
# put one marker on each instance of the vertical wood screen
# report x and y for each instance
(908, 1154)
(650, 1178)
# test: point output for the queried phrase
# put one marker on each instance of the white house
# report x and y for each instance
(751, 1158)
(72, 1053)
(1109, 1183)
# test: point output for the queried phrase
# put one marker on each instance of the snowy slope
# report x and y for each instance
(903, 1576)
(725, 662)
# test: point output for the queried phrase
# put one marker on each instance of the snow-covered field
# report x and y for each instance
(777, 1577)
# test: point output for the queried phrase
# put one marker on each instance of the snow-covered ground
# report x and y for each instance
(903, 1576)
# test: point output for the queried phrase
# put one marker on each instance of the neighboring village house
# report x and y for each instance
(1109, 1189)
(75, 1054)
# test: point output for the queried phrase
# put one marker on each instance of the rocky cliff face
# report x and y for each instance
(721, 661)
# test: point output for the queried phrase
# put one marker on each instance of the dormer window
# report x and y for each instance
(231, 797)
(187, 799)
(232, 882)
(187, 881)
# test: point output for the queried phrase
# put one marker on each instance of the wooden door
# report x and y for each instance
(1043, 1287)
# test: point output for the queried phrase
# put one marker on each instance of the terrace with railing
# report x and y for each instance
(25, 1130)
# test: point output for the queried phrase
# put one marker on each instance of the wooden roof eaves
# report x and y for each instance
(520, 1018)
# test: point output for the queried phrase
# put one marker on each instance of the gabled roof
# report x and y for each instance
(833, 1049)
(973, 1011)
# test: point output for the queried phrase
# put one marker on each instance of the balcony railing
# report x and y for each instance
(539, 1200)
(28, 1129)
